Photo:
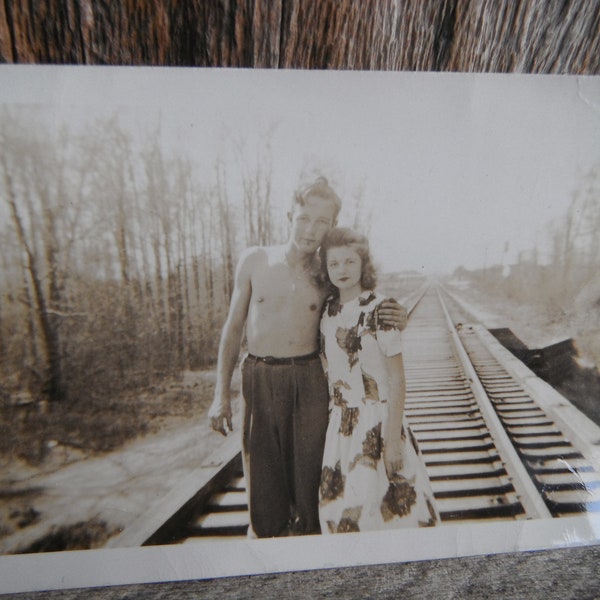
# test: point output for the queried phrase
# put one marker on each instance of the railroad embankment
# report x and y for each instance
(558, 348)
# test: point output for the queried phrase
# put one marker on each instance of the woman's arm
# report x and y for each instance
(393, 450)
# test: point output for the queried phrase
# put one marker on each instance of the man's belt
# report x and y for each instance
(285, 360)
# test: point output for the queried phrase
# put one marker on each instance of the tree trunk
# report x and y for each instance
(32, 336)
(54, 383)
(226, 234)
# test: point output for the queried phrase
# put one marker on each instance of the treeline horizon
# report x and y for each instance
(118, 261)
(561, 273)
(118, 257)
(564, 262)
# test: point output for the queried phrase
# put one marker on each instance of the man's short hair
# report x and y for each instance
(319, 188)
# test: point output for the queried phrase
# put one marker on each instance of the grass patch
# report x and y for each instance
(84, 535)
(16, 510)
(30, 431)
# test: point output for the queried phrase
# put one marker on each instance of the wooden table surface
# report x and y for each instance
(531, 36)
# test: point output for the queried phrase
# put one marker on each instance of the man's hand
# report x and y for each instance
(219, 414)
(393, 314)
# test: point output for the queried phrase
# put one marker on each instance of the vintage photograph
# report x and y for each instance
(255, 321)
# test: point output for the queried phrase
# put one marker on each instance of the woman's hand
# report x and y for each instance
(393, 456)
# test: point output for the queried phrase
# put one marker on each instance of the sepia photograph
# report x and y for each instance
(261, 321)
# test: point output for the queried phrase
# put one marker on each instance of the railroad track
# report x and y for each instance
(494, 442)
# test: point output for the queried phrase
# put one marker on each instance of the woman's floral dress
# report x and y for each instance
(355, 492)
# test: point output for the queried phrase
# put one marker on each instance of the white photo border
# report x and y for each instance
(206, 560)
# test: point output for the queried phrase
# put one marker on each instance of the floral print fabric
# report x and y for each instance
(355, 492)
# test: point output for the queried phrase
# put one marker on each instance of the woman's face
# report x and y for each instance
(344, 267)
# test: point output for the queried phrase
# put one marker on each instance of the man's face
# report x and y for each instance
(310, 223)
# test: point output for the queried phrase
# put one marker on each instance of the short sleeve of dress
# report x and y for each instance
(390, 341)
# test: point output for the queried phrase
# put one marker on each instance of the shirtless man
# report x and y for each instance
(277, 297)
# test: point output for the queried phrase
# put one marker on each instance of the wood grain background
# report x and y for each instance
(528, 36)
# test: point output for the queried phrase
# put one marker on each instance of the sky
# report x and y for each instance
(454, 168)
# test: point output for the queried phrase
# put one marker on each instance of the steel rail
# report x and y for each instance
(467, 473)
(528, 493)
(489, 449)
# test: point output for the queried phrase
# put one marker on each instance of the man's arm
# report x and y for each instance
(219, 414)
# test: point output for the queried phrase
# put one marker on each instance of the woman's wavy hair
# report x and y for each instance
(344, 236)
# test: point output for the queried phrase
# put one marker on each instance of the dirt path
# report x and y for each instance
(92, 499)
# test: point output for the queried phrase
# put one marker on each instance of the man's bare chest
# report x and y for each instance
(280, 288)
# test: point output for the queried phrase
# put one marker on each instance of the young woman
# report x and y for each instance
(372, 476)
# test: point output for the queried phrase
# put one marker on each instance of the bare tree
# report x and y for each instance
(22, 164)
(121, 260)
(256, 183)
(226, 229)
